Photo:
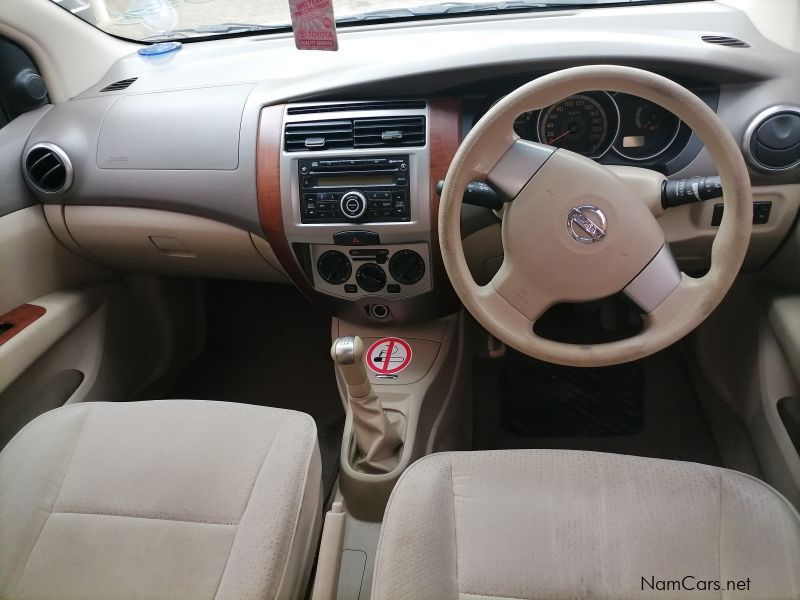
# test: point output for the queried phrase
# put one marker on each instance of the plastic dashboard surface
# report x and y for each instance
(239, 77)
(219, 91)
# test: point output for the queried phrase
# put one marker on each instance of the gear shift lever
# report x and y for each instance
(376, 438)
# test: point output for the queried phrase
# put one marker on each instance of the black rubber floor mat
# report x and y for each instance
(539, 399)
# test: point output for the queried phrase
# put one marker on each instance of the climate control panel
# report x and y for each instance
(390, 271)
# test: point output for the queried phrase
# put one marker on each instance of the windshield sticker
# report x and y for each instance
(389, 356)
(313, 24)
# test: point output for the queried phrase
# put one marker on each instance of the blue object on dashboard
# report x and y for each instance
(160, 48)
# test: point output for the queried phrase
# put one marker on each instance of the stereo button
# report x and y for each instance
(353, 204)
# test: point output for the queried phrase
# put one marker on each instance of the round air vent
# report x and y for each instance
(772, 140)
(48, 168)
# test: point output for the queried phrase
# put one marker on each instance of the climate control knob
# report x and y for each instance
(334, 267)
(353, 204)
(407, 267)
(371, 277)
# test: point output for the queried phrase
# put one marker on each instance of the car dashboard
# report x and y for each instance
(246, 158)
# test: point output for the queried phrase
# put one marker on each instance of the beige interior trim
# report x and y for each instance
(140, 239)
(434, 419)
(690, 235)
(48, 33)
(329, 561)
(686, 306)
(64, 311)
(777, 20)
(35, 261)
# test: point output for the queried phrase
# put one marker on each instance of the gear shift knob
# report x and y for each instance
(348, 353)
(376, 438)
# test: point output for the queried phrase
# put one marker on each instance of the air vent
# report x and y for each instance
(119, 85)
(350, 106)
(389, 132)
(721, 40)
(48, 169)
(772, 140)
(319, 135)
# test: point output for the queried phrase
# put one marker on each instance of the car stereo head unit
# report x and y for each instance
(354, 189)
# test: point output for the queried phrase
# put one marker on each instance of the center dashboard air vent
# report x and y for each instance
(319, 135)
(48, 168)
(119, 85)
(310, 109)
(723, 40)
(369, 132)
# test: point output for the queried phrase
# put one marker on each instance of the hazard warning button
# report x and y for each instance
(356, 238)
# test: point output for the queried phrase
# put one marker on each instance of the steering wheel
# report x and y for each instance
(576, 231)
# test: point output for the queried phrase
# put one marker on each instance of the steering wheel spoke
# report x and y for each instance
(518, 166)
(655, 283)
(524, 296)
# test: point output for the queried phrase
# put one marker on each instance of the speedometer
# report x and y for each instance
(583, 123)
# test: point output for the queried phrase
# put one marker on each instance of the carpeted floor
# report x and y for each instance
(656, 411)
(267, 345)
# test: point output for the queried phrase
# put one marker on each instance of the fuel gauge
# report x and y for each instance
(646, 129)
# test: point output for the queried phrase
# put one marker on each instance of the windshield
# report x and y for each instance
(185, 20)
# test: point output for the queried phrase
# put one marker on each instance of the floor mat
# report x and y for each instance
(673, 424)
(542, 399)
(267, 345)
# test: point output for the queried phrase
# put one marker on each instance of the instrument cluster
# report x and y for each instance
(597, 123)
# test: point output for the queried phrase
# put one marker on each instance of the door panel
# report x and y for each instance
(75, 331)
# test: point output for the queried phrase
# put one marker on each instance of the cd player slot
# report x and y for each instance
(330, 172)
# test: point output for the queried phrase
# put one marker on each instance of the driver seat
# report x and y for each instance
(554, 524)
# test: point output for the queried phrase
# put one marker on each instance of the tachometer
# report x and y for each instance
(584, 123)
(646, 129)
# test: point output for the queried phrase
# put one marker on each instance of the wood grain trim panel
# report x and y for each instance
(268, 186)
(445, 137)
(19, 318)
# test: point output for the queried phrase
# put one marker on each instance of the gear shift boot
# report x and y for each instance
(377, 436)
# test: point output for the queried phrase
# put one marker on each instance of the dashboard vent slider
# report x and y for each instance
(723, 40)
(119, 85)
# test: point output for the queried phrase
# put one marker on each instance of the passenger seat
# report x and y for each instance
(160, 499)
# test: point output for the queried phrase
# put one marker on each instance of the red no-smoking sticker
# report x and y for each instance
(388, 356)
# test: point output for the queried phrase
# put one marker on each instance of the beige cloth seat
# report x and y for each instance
(554, 525)
(163, 499)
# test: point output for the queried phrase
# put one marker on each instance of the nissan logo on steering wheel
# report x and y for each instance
(586, 224)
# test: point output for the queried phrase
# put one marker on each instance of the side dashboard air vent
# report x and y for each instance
(319, 135)
(772, 139)
(119, 85)
(48, 169)
(389, 132)
(348, 106)
(721, 40)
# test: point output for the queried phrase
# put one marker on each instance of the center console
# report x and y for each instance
(352, 216)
